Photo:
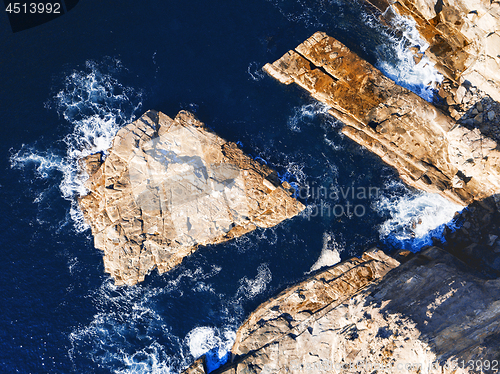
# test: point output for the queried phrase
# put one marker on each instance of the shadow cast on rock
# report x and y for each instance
(477, 241)
(455, 308)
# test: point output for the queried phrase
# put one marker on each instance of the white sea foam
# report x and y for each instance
(212, 342)
(330, 253)
(249, 288)
(96, 105)
(255, 71)
(415, 217)
(126, 314)
(242, 244)
(302, 116)
(305, 114)
(129, 335)
(216, 342)
(393, 55)
(146, 361)
(294, 170)
(396, 60)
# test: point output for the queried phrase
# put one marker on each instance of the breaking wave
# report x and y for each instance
(330, 253)
(131, 333)
(126, 333)
(391, 46)
(211, 342)
(96, 105)
(414, 217)
(255, 71)
(303, 115)
(249, 288)
(402, 58)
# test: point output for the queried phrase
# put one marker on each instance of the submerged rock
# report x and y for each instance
(170, 185)
(429, 149)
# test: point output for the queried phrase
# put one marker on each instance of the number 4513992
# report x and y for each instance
(33, 8)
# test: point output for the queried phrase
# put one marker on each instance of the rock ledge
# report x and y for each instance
(429, 149)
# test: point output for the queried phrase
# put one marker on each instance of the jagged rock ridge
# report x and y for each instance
(371, 315)
(463, 36)
(429, 149)
(170, 185)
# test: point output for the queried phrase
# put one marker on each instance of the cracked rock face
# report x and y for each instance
(463, 36)
(429, 149)
(169, 185)
(372, 315)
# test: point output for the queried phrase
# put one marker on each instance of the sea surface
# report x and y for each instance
(67, 87)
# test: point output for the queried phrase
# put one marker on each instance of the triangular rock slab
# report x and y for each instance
(170, 185)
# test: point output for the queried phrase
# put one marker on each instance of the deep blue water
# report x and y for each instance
(66, 86)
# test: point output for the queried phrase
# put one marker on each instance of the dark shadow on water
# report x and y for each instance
(477, 241)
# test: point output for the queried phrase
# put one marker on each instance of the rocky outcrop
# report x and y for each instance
(430, 312)
(296, 309)
(198, 367)
(464, 43)
(293, 311)
(464, 38)
(429, 149)
(170, 185)
(433, 313)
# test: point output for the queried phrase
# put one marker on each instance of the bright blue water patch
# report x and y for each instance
(260, 159)
(214, 361)
(415, 244)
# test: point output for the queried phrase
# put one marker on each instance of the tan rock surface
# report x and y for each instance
(296, 308)
(362, 317)
(168, 186)
(429, 150)
(464, 37)
(198, 367)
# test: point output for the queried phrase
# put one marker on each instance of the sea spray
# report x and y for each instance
(389, 46)
(127, 333)
(212, 343)
(413, 217)
(133, 333)
(96, 105)
(216, 342)
(255, 71)
(303, 115)
(330, 253)
(396, 60)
